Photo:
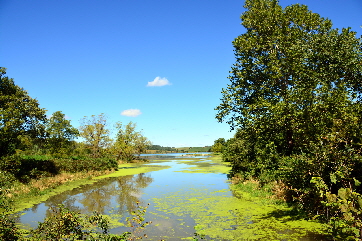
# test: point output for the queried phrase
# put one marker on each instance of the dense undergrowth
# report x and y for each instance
(64, 224)
(35, 173)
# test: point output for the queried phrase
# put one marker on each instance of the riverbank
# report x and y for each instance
(37, 191)
(193, 193)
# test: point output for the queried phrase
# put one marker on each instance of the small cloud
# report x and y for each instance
(131, 112)
(158, 81)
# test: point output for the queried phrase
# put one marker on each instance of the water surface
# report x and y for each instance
(193, 192)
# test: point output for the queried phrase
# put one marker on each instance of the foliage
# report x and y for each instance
(96, 134)
(25, 168)
(64, 224)
(82, 164)
(161, 148)
(218, 145)
(345, 209)
(8, 230)
(295, 98)
(194, 149)
(21, 118)
(129, 142)
(137, 222)
(70, 225)
(60, 133)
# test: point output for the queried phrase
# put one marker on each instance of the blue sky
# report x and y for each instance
(86, 57)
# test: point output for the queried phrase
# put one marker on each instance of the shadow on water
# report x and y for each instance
(294, 214)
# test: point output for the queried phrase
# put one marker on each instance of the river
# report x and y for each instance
(186, 194)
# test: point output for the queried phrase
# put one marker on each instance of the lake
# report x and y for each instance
(186, 194)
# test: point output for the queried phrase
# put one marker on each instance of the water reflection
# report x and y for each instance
(130, 191)
(117, 195)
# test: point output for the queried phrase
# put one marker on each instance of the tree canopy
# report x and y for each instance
(295, 99)
(60, 132)
(129, 143)
(21, 118)
(292, 71)
(95, 132)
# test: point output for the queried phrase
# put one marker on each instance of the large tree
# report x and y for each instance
(60, 133)
(21, 118)
(129, 143)
(294, 75)
(95, 131)
(295, 98)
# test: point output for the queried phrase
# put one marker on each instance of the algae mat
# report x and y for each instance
(221, 216)
(224, 217)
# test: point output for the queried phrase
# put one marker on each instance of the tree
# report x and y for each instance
(60, 132)
(218, 145)
(129, 142)
(96, 133)
(295, 98)
(21, 118)
(292, 71)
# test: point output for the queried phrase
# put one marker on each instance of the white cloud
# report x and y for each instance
(158, 81)
(131, 112)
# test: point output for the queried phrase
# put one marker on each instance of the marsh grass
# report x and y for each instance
(273, 192)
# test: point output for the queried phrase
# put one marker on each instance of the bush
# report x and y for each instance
(87, 164)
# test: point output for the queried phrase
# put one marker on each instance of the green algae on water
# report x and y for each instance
(230, 218)
(221, 216)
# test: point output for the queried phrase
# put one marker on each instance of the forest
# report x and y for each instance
(294, 99)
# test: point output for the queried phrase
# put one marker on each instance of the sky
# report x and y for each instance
(161, 64)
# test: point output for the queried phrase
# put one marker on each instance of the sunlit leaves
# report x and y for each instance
(295, 97)
(95, 132)
(129, 142)
(60, 132)
(21, 118)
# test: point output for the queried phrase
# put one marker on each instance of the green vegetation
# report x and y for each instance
(193, 149)
(63, 224)
(251, 213)
(95, 132)
(21, 119)
(161, 149)
(129, 142)
(295, 99)
(61, 134)
(218, 146)
(37, 154)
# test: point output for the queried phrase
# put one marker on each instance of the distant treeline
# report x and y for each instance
(161, 148)
(158, 148)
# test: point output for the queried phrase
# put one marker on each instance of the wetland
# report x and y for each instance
(186, 195)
